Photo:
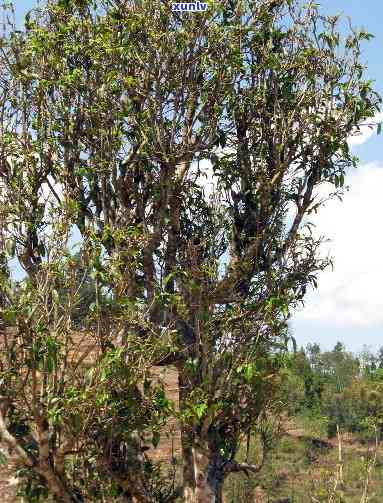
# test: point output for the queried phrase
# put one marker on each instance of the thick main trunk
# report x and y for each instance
(189, 483)
(203, 473)
(203, 476)
(209, 478)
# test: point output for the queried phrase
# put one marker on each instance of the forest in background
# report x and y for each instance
(327, 446)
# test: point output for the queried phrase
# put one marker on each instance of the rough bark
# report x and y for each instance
(203, 476)
(189, 482)
(42, 467)
(56, 485)
(209, 477)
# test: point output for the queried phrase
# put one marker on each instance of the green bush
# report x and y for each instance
(358, 409)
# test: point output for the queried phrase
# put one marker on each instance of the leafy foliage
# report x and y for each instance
(113, 114)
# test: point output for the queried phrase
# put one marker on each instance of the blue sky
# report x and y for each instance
(348, 305)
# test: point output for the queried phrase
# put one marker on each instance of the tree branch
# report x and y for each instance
(13, 444)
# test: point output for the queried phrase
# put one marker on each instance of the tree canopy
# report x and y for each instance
(116, 117)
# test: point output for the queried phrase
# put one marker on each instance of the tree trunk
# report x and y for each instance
(189, 482)
(203, 475)
(56, 485)
(209, 477)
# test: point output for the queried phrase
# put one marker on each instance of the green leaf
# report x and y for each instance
(10, 247)
(249, 371)
(160, 399)
(50, 365)
(147, 384)
(156, 437)
(9, 315)
(93, 307)
(200, 409)
(3, 459)
(168, 278)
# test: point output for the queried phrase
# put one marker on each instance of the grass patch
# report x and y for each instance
(301, 468)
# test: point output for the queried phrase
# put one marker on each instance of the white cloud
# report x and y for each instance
(206, 179)
(365, 131)
(351, 295)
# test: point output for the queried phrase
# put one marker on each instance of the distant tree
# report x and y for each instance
(368, 360)
(314, 355)
(380, 358)
(340, 367)
(312, 380)
(339, 348)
